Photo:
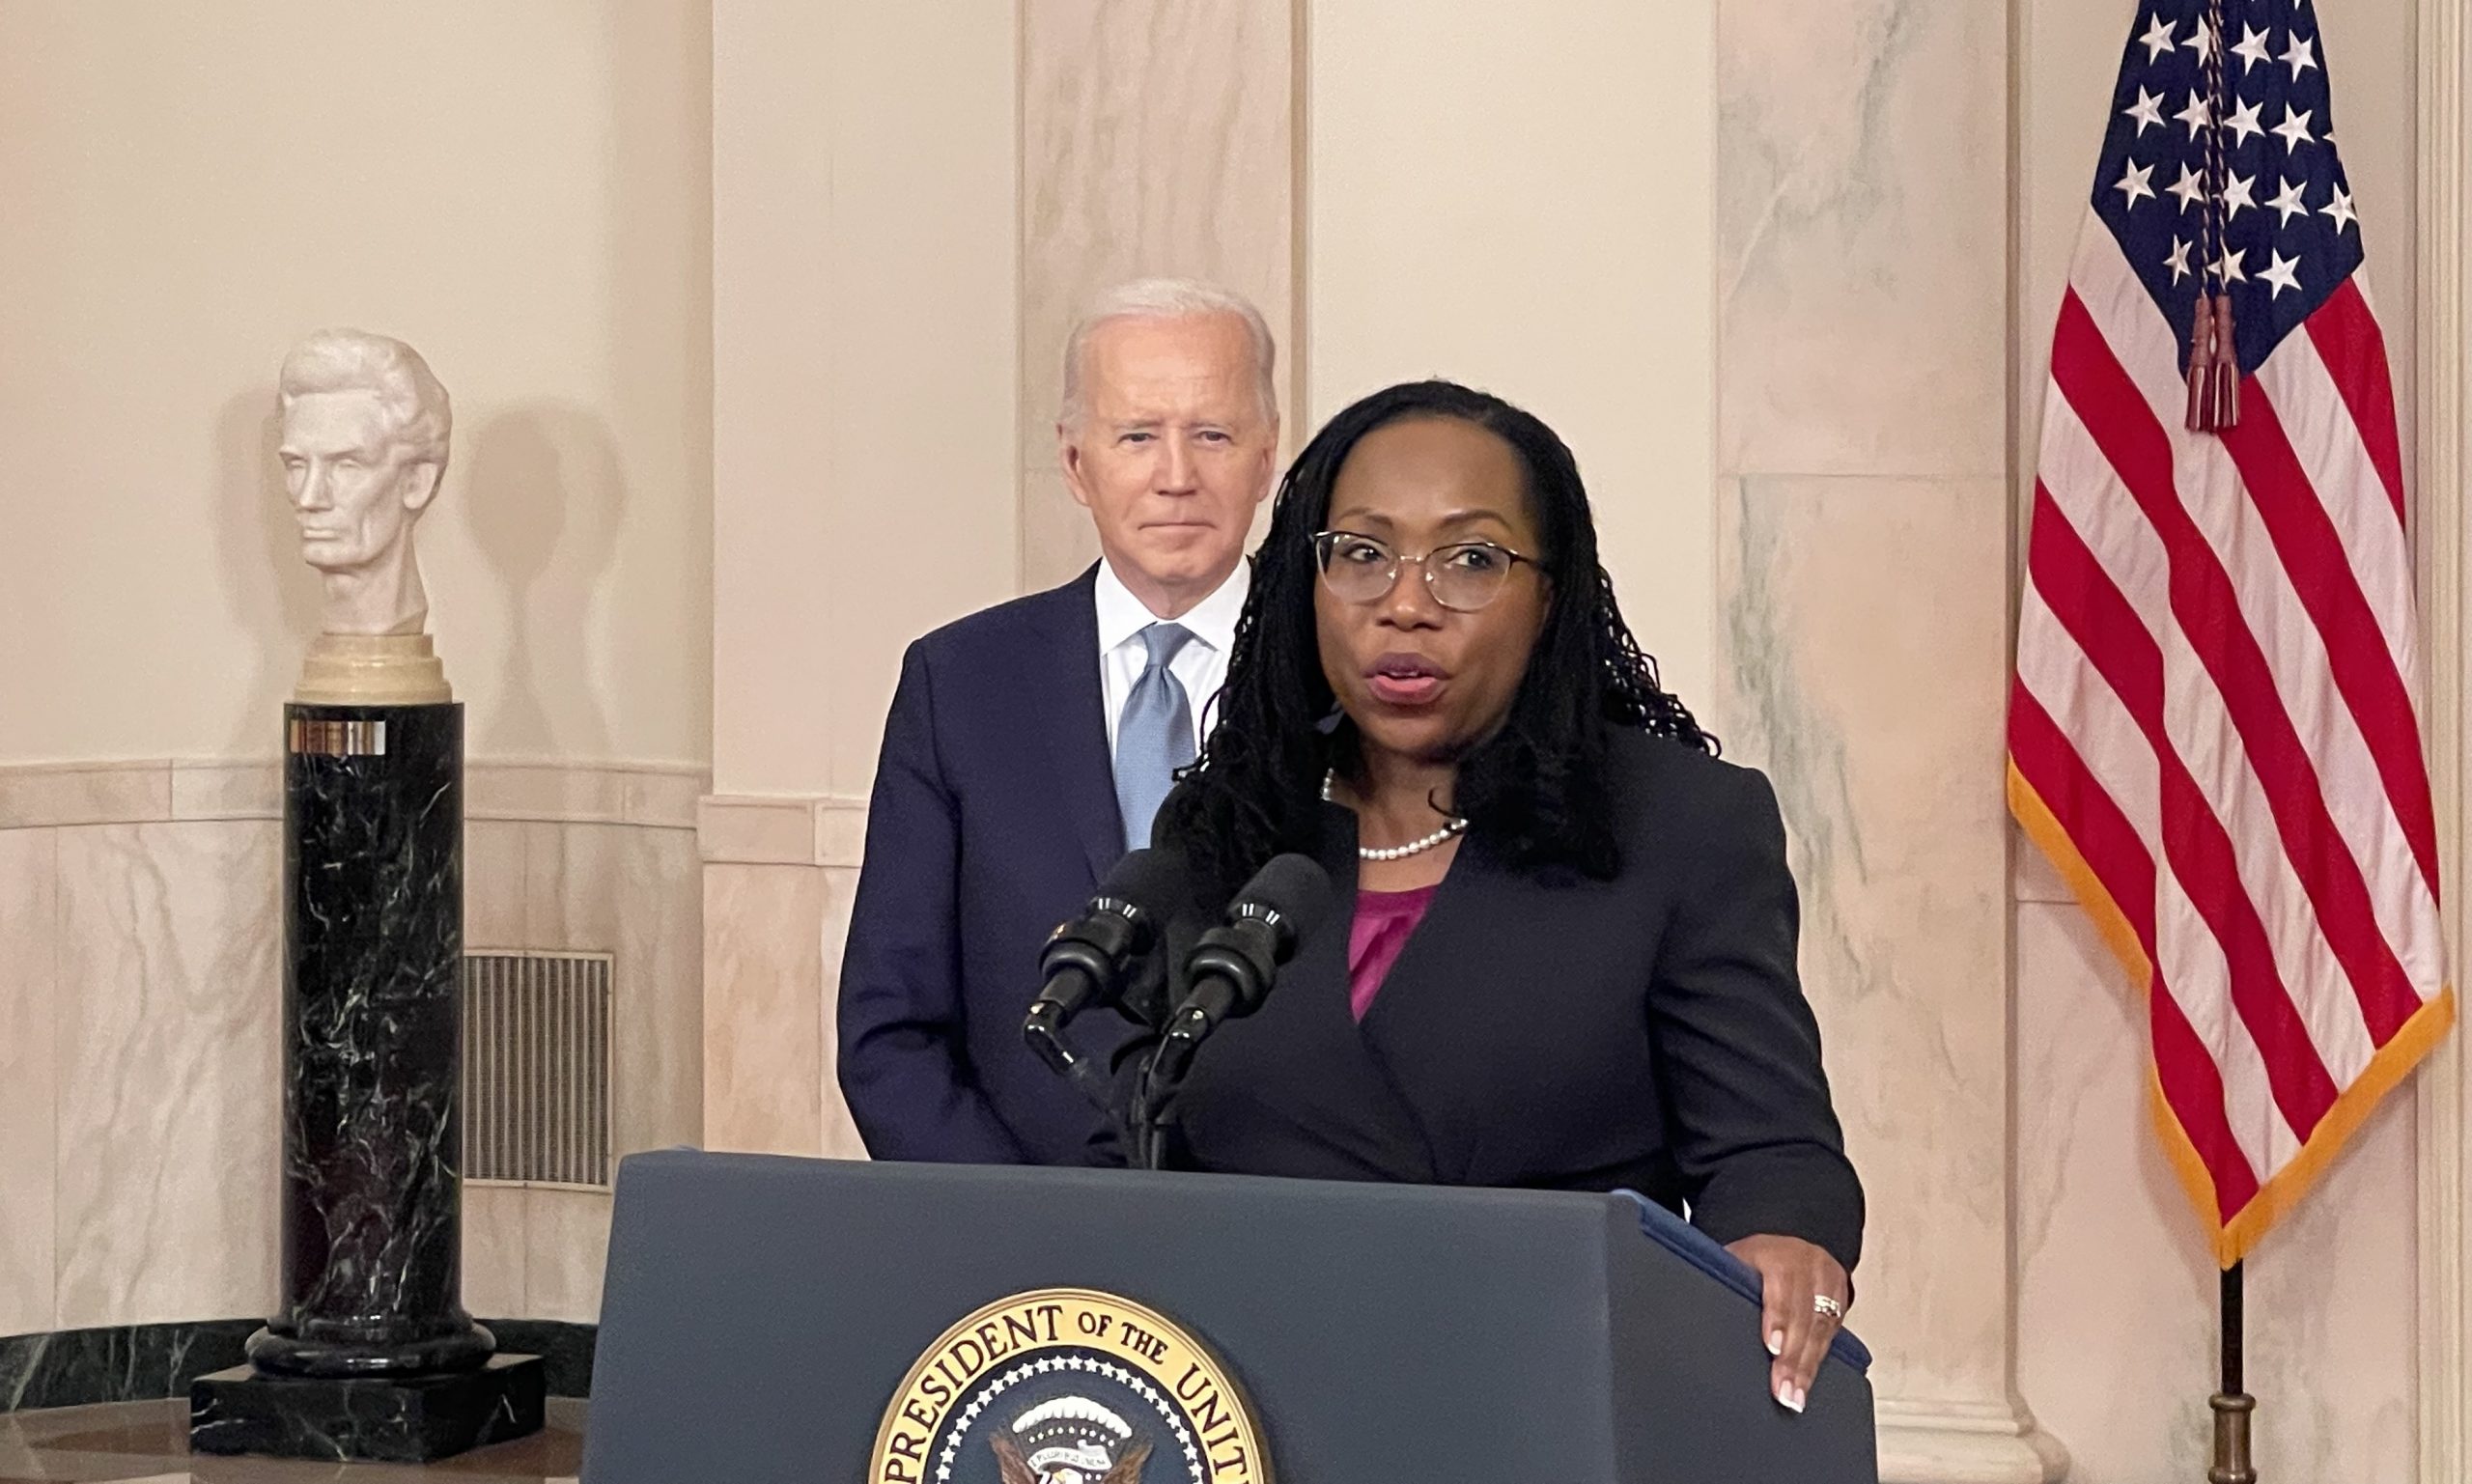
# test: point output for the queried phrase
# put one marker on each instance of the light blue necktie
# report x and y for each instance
(1154, 735)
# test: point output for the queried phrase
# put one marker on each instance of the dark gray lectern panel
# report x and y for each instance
(760, 1312)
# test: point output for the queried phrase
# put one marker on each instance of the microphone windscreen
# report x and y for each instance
(1155, 880)
(1294, 886)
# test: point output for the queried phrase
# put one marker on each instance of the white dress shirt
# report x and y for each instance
(1200, 666)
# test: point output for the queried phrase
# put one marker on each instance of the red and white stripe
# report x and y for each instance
(2214, 711)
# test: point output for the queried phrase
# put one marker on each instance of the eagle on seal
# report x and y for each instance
(1069, 1440)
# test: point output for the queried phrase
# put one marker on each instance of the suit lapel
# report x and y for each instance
(1450, 964)
(1438, 954)
(1328, 1071)
(1076, 743)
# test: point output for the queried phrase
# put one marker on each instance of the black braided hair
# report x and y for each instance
(1534, 792)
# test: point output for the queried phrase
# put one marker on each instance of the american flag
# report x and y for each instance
(2213, 730)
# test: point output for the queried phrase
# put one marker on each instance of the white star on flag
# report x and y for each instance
(2341, 210)
(2197, 115)
(2294, 127)
(2157, 39)
(2244, 123)
(2227, 269)
(2287, 202)
(2147, 111)
(2236, 195)
(2300, 56)
(2202, 39)
(2132, 184)
(2179, 260)
(2281, 272)
(2251, 49)
(2190, 187)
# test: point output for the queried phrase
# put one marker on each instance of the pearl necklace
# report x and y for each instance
(1450, 830)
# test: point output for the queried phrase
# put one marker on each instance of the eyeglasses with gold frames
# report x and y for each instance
(1463, 575)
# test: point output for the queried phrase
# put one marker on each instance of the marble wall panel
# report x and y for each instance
(163, 1082)
(493, 1215)
(662, 796)
(29, 1070)
(765, 829)
(213, 789)
(2116, 1291)
(634, 893)
(567, 1247)
(1862, 236)
(765, 1008)
(543, 790)
(84, 794)
(840, 832)
(494, 884)
(494, 1250)
(1861, 630)
(1153, 139)
(838, 1138)
(170, 994)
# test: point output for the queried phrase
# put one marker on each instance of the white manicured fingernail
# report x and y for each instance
(1776, 1342)
(1789, 1396)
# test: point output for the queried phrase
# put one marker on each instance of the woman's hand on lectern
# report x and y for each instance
(1794, 1278)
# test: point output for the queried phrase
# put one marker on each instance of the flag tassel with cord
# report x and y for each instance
(2213, 732)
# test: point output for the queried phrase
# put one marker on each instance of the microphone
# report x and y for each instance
(1232, 965)
(1103, 956)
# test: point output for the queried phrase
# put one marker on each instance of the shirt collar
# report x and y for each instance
(1212, 621)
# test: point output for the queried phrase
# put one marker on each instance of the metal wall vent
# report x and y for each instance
(536, 1068)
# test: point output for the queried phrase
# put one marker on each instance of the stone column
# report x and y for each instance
(1863, 496)
(372, 1023)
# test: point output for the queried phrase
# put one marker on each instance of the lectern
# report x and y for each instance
(784, 1321)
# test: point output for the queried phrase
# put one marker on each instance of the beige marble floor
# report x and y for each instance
(147, 1442)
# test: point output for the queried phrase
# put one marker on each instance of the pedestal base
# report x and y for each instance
(398, 1419)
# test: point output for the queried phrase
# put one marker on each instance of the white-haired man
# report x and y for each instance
(1029, 746)
(365, 430)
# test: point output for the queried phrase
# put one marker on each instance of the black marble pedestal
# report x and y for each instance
(372, 1341)
(402, 1419)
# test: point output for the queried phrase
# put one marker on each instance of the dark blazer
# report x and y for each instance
(1648, 1032)
(993, 819)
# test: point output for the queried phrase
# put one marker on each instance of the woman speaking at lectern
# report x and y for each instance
(1562, 950)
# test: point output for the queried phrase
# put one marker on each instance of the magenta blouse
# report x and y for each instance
(1384, 919)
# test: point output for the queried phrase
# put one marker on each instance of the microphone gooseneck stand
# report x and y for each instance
(1228, 973)
(1111, 955)
(1148, 1116)
(1149, 1123)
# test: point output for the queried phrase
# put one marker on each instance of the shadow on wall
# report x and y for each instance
(274, 592)
(546, 499)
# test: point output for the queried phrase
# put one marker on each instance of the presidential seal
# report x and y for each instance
(1065, 1386)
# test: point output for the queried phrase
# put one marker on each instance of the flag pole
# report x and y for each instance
(2214, 404)
(2232, 1405)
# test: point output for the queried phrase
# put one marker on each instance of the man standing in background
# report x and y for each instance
(1029, 744)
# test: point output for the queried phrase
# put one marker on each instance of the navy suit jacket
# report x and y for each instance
(994, 818)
